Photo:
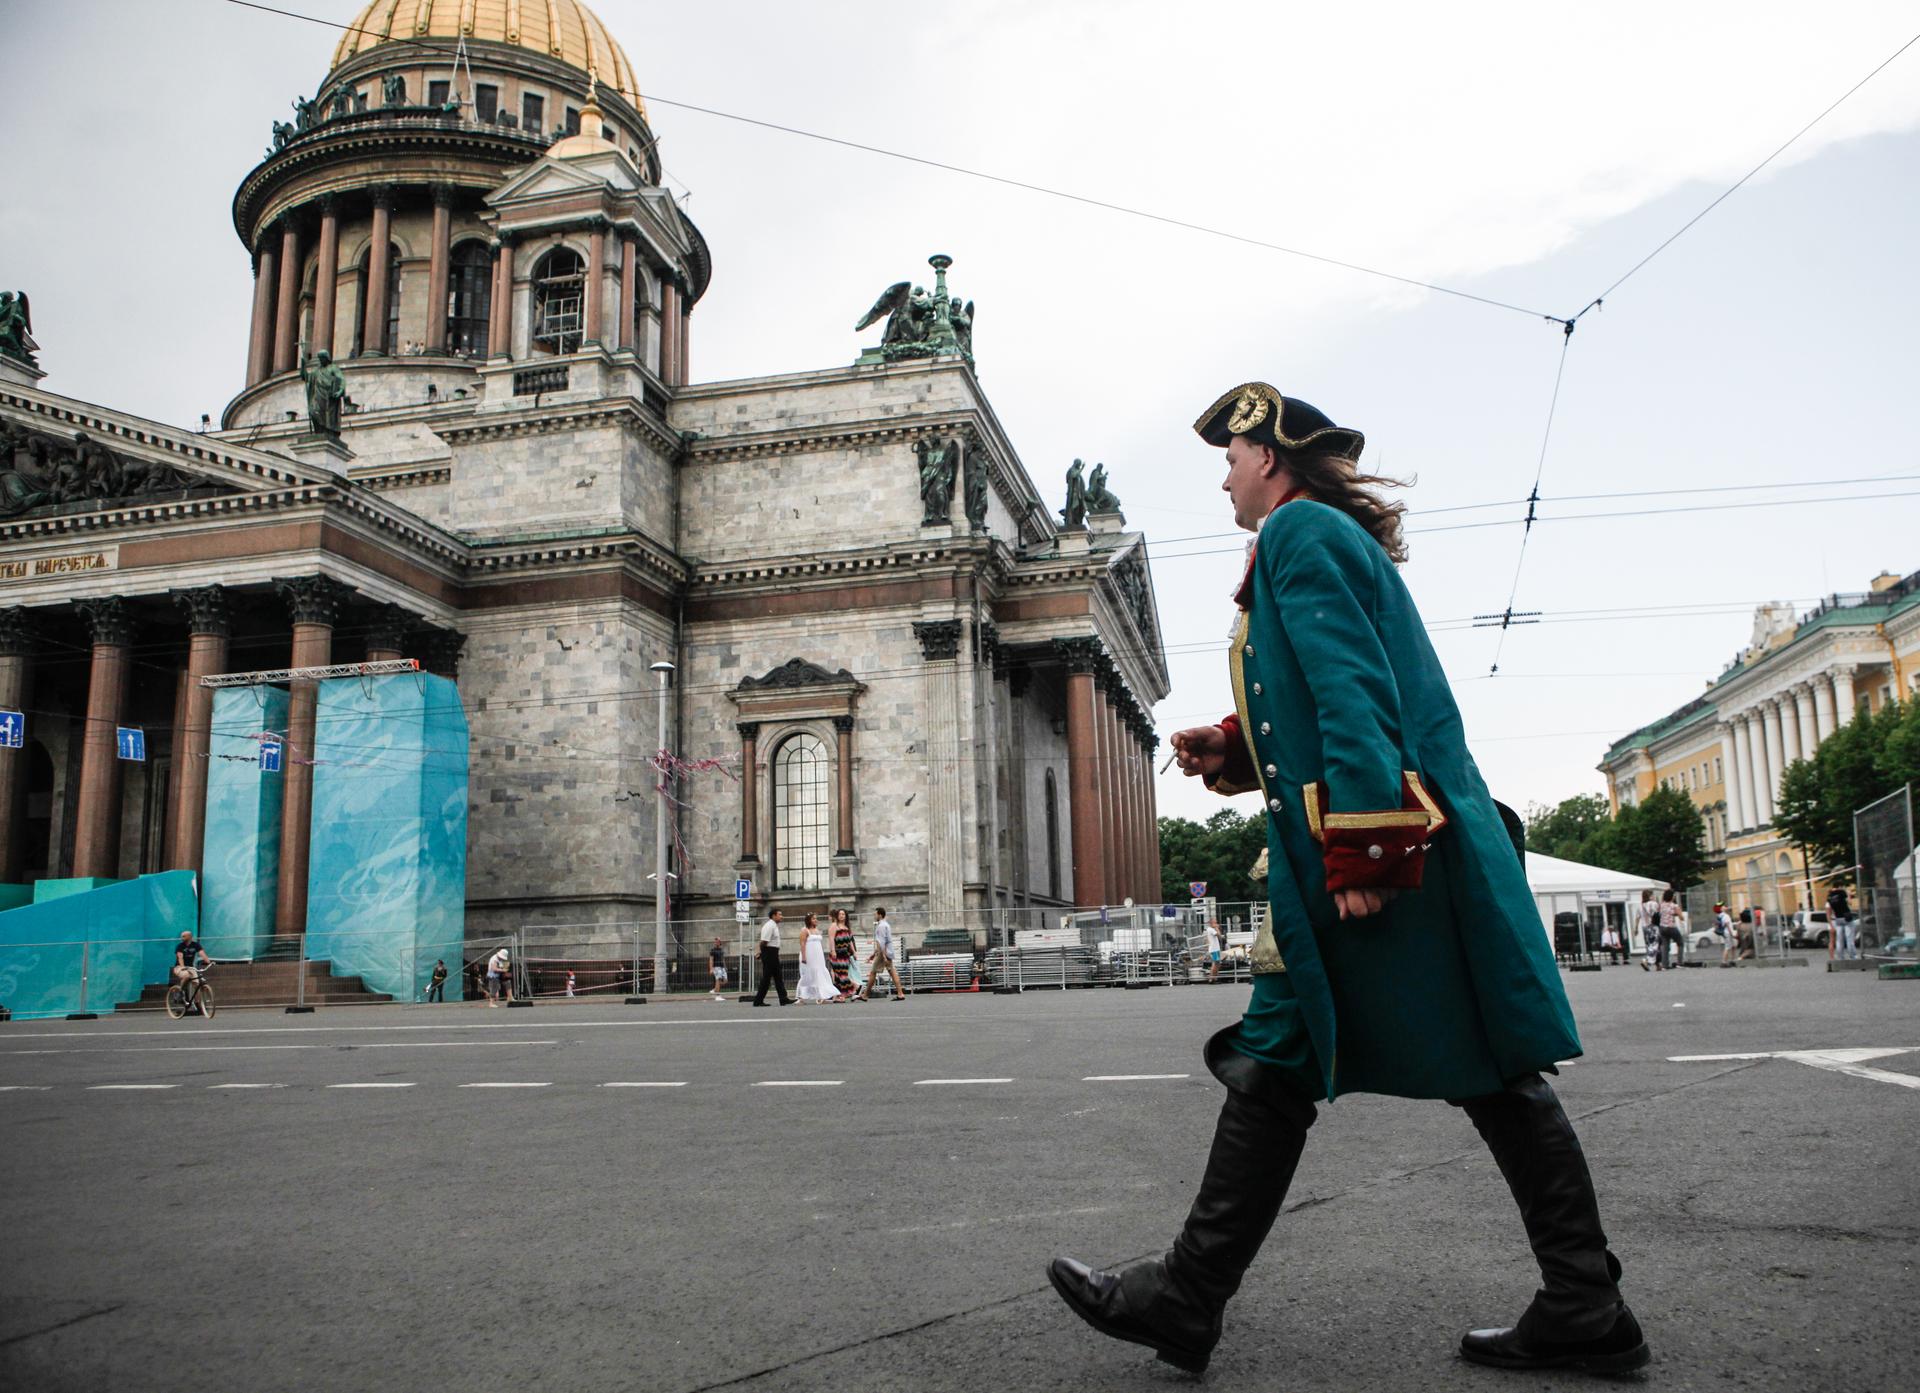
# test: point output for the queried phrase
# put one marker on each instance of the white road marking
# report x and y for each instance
(1717, 1058)
(246, 1085)
(953, 1224)
(799, 1083)
(369, 1085)
(934, 1083)
(506, 1085)
(368, 1045)
(1844, 1061)
(1130, 1078)
(25, 1087)
(907, 1018)
(127, 1087)
(644, 1084)
(1821, 1060)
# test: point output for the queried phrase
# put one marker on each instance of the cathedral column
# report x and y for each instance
(843, 757)
(373, 333)
(443, 649)
(1089, 884)
(96, 842)
(1137, 801)
(946, 828)
(1019, 679)
(16, 676)
(387, 632)
(439, 266)
(685, 356)
(208, 625)
(265, 286)
(1156, 871)
(629, 278)
(749, 790)
(500, 316)
(594, 330)
(326, 279)
(1102, 797)
(315, 602)
(669, 338)
(285, 330)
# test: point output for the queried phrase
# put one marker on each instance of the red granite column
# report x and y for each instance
(1083, 798)
(315, 602)
(1129, 807)
(594, 330)
(843, 755)
(260, 344)
(669, 339)
(208, 625)
(16, 677)
(500, 316)
(629, 278)
(1148, 889)
(286, 332)
(96, 842)
(373, 333)
(749, 791)
(1155, 870)
(326, 277)
(439, 263)
(387, 634)
(1109, 790)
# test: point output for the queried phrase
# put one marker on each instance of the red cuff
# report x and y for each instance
(1236, 773)
(1384, 850)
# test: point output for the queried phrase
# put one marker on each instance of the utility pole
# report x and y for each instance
(662, 812)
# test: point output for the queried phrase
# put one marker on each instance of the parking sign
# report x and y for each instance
(743, 889)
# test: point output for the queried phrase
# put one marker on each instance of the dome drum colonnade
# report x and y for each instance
(371, 231)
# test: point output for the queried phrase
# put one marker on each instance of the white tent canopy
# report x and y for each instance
(1593, 896)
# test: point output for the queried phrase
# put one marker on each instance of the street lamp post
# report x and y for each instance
(661, 813)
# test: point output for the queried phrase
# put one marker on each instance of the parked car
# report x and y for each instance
(1810, 929)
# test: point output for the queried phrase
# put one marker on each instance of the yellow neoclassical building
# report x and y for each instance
(1798, 679)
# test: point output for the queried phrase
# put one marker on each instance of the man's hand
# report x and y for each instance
(1357, 904)
(1200, 751)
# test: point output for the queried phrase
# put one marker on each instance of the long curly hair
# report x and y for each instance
(1337, 482)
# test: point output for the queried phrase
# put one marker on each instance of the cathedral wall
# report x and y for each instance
(799, 503)
(560, 706)
(592, 476)
(1045, 750)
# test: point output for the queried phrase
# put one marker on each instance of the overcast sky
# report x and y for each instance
(1528, 153)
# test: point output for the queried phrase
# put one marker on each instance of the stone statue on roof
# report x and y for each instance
(326, 389)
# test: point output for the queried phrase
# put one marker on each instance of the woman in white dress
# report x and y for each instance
(816, 982)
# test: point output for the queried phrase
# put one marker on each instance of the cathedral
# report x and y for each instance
(471, 433)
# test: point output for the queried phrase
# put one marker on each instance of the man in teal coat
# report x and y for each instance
(1403, 953)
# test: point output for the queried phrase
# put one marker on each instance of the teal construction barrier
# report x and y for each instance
(387, 883)
(242, 848)
(92, 950)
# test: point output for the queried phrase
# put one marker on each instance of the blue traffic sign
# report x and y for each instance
(270, 755)
(743, 889)
(132, 742)
(13, 729)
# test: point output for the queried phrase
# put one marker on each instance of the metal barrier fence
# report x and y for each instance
(1887, 876)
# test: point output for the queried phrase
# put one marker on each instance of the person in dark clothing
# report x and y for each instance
(770, 961)
(437, 984)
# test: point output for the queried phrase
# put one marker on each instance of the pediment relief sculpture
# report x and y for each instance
(48, 473)
(797, 672)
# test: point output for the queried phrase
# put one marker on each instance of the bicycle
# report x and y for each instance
(192, 995)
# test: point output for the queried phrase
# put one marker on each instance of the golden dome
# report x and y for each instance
(561, 29)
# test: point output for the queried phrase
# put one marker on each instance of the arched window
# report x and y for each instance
(1053, 837)
(469, 299)
(801, 780)
(559, 291)
(392, 330)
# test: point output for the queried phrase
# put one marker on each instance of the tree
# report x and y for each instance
(1220, 851)
(1803, 815)
(1663, 837)
(1573, 831)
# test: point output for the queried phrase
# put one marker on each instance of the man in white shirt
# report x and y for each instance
(1213, 949)
(882, 959)
(770, 961)
(499, 977)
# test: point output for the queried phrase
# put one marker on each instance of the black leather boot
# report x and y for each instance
(1173, 1304)
(1577, 1319)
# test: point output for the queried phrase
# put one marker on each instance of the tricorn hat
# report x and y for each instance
(1258, 411)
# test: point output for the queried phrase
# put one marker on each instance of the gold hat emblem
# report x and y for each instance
(1248, 412)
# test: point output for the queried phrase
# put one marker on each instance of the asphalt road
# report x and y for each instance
(864, 1197)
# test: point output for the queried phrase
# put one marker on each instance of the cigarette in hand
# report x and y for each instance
(1171, 757)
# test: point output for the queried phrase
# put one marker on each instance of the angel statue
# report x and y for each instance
(937, 467)
(1100, 498)
(909, 312)
(961, 316)
(1075, 513)
(16, 327)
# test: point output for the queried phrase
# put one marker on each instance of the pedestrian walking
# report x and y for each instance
(1670, 932)
(770, 961)
(816, 982)
(717, 966)
(1647, 918)
(1402, 953)
(437, 984)
(1214, 948)
(1846, 931)
(1729, 938)
(840, 952)
(569, 981)
(499, 976)
(881, 959)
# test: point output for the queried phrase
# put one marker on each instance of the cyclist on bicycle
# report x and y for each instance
(187, 957)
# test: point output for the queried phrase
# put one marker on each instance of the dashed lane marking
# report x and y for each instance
(936, 1083)
(506, 1085)
(907, 1018)
(25, 1087)
(644, 1084)
(369, 1085)
(366, 1045)
(799, 1083)
(245, 1085)
(1131, 1078)
(128, 1087)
